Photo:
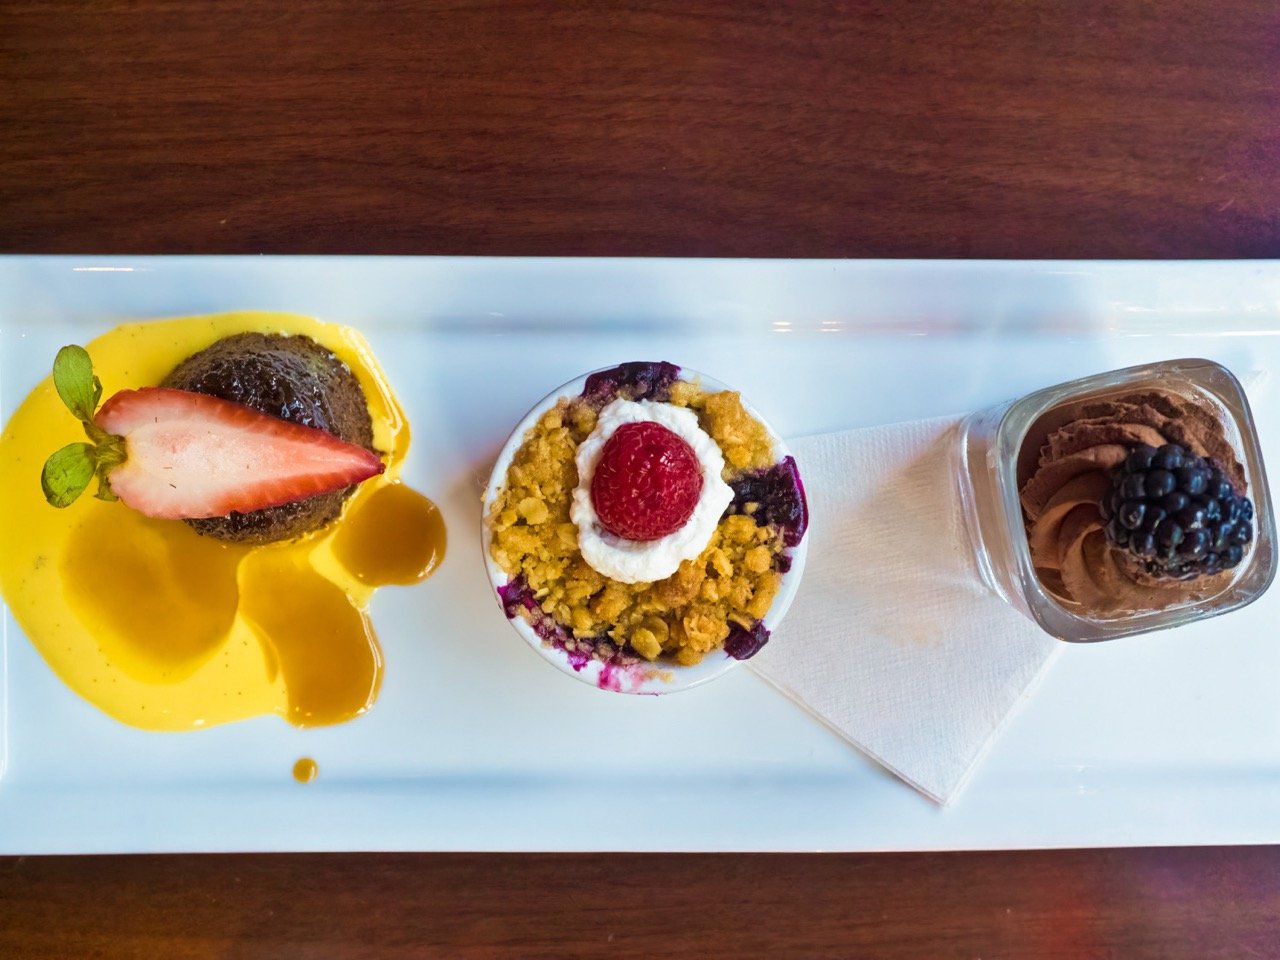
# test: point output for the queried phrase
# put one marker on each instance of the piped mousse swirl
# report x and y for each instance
(1061, 500)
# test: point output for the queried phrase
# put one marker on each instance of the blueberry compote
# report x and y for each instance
(778, 496)
(640, 380)
(743, 644)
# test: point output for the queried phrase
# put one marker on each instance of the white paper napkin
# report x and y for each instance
(893, 640)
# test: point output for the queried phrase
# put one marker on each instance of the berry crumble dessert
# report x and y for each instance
(646, 520)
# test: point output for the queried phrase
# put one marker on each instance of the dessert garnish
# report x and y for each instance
(1177, 513)
(646, 483)
(661, 488)
(646, 519)
(172, 454)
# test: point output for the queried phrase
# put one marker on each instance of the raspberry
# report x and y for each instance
(647, 482)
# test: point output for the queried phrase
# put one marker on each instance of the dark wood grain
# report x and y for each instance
(1002, 128)
(1208, 904)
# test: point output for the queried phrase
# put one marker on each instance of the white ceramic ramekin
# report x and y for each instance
(626, 677)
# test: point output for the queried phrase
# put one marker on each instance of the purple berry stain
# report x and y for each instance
(616, 663)
(517, 596)
(609, 678)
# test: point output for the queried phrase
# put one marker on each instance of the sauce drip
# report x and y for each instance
(305, 770)
(397, 536)
(323, 644)
(167, 630)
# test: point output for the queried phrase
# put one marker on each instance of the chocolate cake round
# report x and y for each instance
(294, 379)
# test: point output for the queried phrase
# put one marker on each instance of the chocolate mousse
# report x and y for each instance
(1067, 471)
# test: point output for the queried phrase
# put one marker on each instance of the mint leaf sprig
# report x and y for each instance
(68, 471)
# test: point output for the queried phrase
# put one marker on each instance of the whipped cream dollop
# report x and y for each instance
(633, 561)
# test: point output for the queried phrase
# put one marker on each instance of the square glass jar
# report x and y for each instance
(992, 466)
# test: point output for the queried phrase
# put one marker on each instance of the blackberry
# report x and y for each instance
(1176, 512)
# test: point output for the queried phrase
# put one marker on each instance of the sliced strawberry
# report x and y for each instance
(190, 456)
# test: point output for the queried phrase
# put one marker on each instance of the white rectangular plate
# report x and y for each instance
(477, 744)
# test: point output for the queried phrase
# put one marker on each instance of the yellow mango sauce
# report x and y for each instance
(167, 630)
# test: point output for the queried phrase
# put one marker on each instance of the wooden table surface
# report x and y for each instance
(1003, 128)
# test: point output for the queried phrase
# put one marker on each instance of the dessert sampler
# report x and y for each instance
(646, 520)
(1135, 502)
(644, 523)
(255, 457)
